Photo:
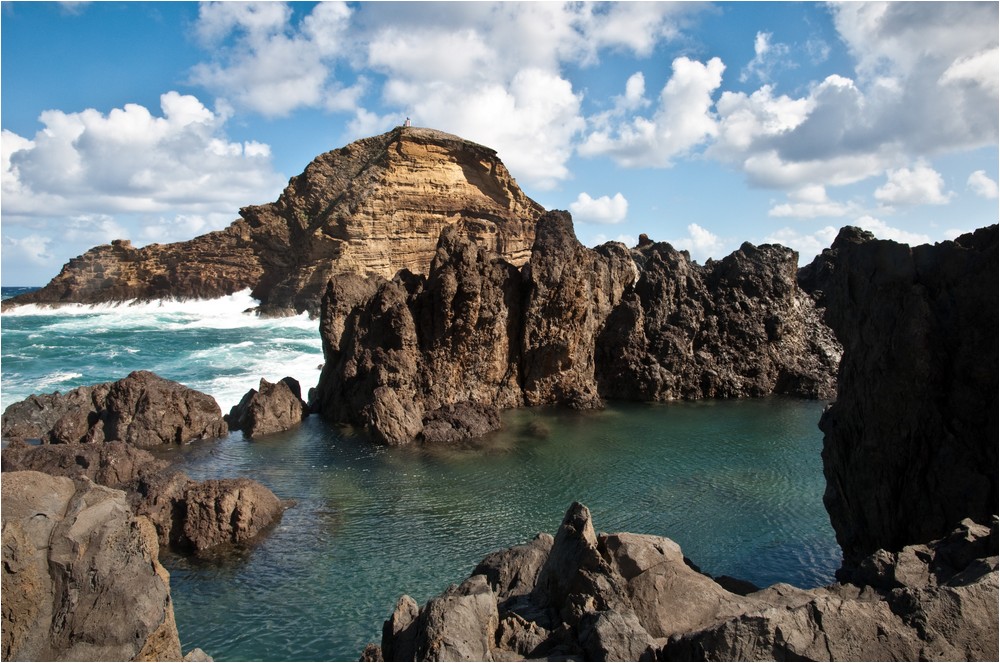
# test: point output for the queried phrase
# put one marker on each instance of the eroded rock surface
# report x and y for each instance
(142, 409)
(272, 408)
(375, 206)
(634, 597)
(910, 445)
(81, 576)
(571, 327)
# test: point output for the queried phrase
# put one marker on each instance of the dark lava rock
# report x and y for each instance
(910, 445)
(271, 408)
(143, 410)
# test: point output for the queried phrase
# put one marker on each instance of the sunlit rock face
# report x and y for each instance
(372, 207)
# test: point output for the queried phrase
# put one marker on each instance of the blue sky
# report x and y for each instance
(704, 125)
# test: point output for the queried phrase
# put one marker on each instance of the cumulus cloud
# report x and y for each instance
(701, 243)
(129, 160)
(807, 244)
(605, 209)
(682, 121)
(920, 186)
(882, 230)
(982, 185)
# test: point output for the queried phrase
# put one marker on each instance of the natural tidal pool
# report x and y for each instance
(738, 484)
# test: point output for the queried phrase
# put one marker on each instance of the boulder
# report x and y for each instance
(142, 409)
(272, 408)
(112, 464)
(909, 446)
(81, 576)
(459, 421)
(228, 511)
(635, 597)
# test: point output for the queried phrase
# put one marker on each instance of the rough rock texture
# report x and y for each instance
(270, 409)
(188, 516)
(910, 445)
(373, 207)
(634, 597)
(143, 410)
(413, 358)
(81, 577)
(737, 327)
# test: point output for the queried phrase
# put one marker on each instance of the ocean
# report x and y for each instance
(738, 484)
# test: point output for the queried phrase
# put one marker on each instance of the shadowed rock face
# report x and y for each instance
(81, 577)
(270, 409)
(571, 327)
(910, 445)
(375, 206)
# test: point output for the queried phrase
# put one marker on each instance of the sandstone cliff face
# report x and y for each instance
(571, 327)
(910, 445)
(635, 597)
(81, 576)
(375, 206)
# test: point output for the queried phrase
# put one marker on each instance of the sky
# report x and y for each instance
(701, 124)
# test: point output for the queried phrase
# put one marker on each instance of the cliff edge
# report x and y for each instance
(373, 207)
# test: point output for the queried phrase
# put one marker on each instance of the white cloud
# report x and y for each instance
(682, 121)
(599, 210)
(768, 56)
(810, 202)
(982, 185)
(701, 243)
(921, 186)
(34, 249)
(808, 245)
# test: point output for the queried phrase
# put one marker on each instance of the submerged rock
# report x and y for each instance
(272, 408)
(81, 576)
(909, 446)
(635, 597)
(143, 410)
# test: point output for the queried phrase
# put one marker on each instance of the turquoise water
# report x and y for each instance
(738, 484)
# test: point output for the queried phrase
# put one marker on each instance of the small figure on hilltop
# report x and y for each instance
(407, 122)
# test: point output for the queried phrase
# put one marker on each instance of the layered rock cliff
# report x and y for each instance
(571, 327)
(375, 206)
(910, 445)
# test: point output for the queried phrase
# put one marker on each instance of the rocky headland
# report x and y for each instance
(375, 206)
(572, 326)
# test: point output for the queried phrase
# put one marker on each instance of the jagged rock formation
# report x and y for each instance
(375, 206)
(571, 327)
(188, 516)
(142, 409)
(910, 445)
(81, 576)
(270, 409)
(630, 597)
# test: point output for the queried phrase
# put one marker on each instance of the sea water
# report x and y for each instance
(738, 484)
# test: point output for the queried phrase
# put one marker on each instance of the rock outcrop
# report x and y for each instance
(188, 516)
(143, 410)
(375, 206)
(271, 408)
(570, 327)
(81, 576)
(584, 596)
(910, 445)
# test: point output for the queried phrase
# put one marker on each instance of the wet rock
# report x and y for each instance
(459, 421)
(143, 410)
(81, 576)
(272, 408)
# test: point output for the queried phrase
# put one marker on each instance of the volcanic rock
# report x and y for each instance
(112, 464)
(635, 597)
(81, 576)
(143, 410)
(572, 326)
(375, 206)
(909, 446)
(270, 409)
